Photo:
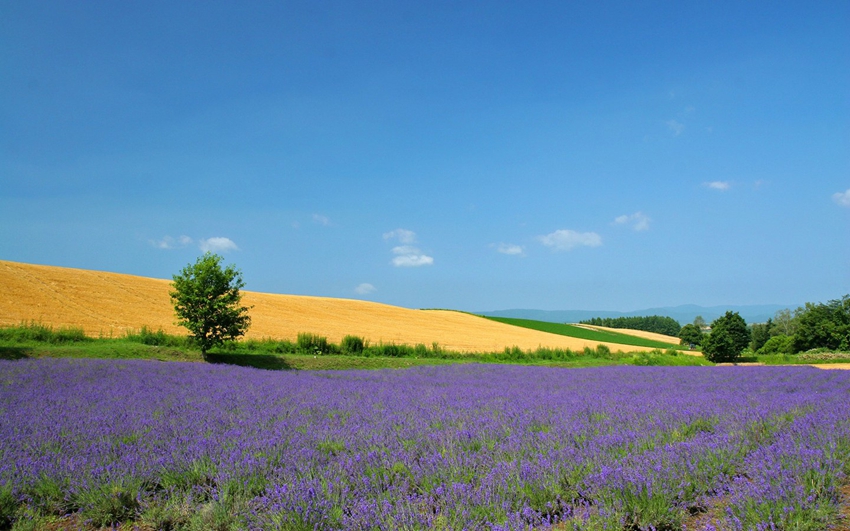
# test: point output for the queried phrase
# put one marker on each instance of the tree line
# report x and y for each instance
(653, 323)
(815, 326)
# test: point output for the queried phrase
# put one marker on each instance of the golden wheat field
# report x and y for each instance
(110, 304)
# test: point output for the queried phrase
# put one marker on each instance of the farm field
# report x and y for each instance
(592, 333)
(110, 304)
(637, 333)
(193, 446)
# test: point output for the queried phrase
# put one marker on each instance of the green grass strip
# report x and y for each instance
(585, 333)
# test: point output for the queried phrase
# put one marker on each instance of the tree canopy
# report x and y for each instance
(207, 299)
(728, 338)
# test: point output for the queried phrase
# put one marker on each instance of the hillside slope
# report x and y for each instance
(109, 304)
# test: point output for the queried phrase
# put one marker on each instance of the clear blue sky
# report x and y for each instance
(468, 155)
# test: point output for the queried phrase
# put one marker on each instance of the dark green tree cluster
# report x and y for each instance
(814, 326)
(654, 323)
(824, 326)
(728, 338)
(207, 300)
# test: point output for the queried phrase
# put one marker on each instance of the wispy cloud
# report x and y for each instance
(717, 185)
(167, 242)
(407, 255)
(402, 235)
(566, 239)
(638, 221)
(842, 198)
(321, 220)
(365, 289)
(510, 249)
(676, 126)
(217, 245)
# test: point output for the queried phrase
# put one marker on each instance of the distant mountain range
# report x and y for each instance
(684, 314)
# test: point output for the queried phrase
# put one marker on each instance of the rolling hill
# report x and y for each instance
(110, 304)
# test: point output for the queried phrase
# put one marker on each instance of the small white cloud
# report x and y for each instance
(676, 126)
(510, 249)
(167, 242)
(842, 198)
(638, 221)
(321, 220)
(365, 289)
(718, 185)
(217, 245)
(406, 254)
(409, 256)
(565, 240)
(403, 235)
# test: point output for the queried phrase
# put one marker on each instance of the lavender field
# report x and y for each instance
(194, 446)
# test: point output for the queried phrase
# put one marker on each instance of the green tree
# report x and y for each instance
(207, 300)
(699, 322)
(824, 326)
(760, 334)
(728, 338)
(785, 322)
(690, 335)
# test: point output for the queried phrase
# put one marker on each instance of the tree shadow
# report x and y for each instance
(14, 353)
(258, 361)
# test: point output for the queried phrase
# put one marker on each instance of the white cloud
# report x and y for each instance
(217, 245)
(167, 242)
(406, 254)
(409, 256)
(365, 289)
(565, 239)
(842, 198)
(403, 235)
(321, 220)
(718, 185)
(511, 249)
(676, 126)
(638, 221)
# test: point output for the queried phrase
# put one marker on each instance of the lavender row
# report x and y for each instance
(460, 447)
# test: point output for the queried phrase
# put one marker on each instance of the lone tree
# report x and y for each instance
(728, 338)
(206, 300)
(690, 335)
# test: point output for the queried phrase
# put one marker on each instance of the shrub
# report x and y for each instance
(313, 343)
(41, 333)
(352, 345)
(777, 345)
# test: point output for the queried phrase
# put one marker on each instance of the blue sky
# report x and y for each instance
(468, 155)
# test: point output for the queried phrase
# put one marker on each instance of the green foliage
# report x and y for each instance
(760, 334)
(690, 335)
(313, 344)
(352, 345)
(147, 336)
(653, 323)
(824, 326)
(728, 338)
(206, 300)
(785, 322)
(777, 345)
(41, 333)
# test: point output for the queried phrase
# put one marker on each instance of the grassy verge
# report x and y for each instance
(586, 333)
(309, 352)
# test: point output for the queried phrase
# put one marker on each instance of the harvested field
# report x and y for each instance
(637, 333)
(110, 304)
